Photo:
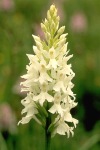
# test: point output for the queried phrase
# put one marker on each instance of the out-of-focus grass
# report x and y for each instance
(16, 27)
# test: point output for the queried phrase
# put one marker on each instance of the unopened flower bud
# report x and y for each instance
(61, 30)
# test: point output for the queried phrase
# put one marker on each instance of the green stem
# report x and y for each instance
(47, 134)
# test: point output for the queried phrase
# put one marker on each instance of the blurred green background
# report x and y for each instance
(19, 19)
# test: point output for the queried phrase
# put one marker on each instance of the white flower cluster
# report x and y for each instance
(48, 79)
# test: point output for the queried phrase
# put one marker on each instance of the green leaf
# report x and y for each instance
(3, 145)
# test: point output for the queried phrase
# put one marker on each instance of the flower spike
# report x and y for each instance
(48, 81)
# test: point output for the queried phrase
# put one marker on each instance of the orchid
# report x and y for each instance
(48, 80)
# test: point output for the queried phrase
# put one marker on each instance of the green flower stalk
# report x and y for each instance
(48, 81)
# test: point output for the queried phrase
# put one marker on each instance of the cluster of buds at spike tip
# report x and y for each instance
(48, 81)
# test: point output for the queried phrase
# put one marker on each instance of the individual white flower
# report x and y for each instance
(48, 81)
(57, 107)
(30, 109)
(43, 95)
(60, 82)
(52, 59)
(43, 77)
(62, 128)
